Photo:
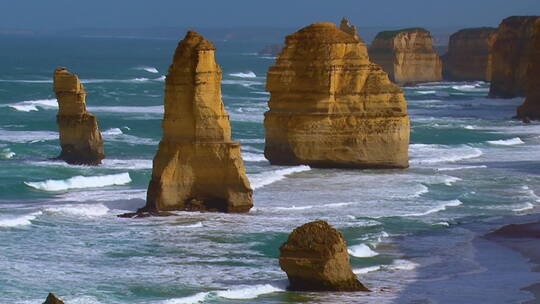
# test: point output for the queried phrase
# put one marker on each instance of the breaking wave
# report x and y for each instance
(22, 220)
(362, 251)
(33, 105)
(81, 210)
(442, 207)
(81, 182)
(266, 178)
(507, 142)
(147, 69)
(248, 74)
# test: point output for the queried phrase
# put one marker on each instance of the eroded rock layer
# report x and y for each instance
(331, 107)
(80, 138)
(197, 166)
(469, 55)
(531, 107)
(315, 258)
(512, 54)
(407, 56)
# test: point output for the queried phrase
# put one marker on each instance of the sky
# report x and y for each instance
(73, 14)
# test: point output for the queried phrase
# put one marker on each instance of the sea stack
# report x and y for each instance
(80, 138)
(530, 109)
(331, 107)
(197, 166)
(407, 56)
(315, 258)
(53, 299)
(512, 54)
(469, 55)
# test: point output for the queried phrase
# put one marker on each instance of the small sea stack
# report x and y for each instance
(197, 166)
(80, 138)
(530, 109)
(469, 55)
(407, 56)
(330, 107)
(513, 52)
(53, 299)
(315, 258)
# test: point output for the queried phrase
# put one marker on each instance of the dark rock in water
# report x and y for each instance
(143, 214)
(53, 299)
(526, 120)
(271, 50)
(315, 258)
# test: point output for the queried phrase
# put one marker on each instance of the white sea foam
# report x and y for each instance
(248, 74)
(6, 153)
(27, 136)
(127, 164)
(398, 264)
(266, 178)
(82, 210)
(422, 190)
(244, 83)
(32, 105)
(426, 92)
(461, 168)
(252, 140)
(249, 292)
(147, 69)
(469, 127)
(293, 207)
(439, 208)
(81, 182)
(470, 88)
(103, 195)
(365, 270)
(21, 220)
(196, 298)
(433, 154)
(507, 142)
(253, 157)
(362, 251)
(445, 224)
(128, 110)
(527, 206)
(113, 131)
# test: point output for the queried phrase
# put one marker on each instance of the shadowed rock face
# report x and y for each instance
(512, 55)
(52, 299)
(469, 55)
(331, 107)
(315, 258)
(531, 107)
(407, 56)
(197, 167)
(80, 138)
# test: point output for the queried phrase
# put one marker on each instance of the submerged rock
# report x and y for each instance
(469, 55)
(513, 53)
(407, 56)
(53, 299)
(80, 138)
(331, 107)
(530, 109)
(197, 166)
(315, 258)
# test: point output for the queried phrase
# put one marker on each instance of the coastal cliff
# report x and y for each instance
(512, 55)
(531, 107)
(407, 56)
(331, 107)
(469, 55)
(197, 166)
(80, 138)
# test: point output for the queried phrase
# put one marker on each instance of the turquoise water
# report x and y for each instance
(411, 233)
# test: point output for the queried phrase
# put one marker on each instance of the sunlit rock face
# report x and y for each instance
(531, 107)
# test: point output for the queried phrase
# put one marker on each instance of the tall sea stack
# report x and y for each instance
(80, 138)
(531, 107)
(407, 56)
(331, 107)
(197, 166)
(512, 55)
(469, 55)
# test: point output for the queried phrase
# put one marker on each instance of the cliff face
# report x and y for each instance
(531, 107)
(80, 138)
(407, 56)
(331, 107)
(469, 55)
(512, 55)
(197, 166)
(315, 258)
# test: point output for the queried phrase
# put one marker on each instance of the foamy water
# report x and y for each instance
(81, 182)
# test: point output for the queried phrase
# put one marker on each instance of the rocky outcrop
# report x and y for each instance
(348, 28)
(53, 299)
(469, 55)
(512, 55)
(80, 138)
(331, 107)
(530, 109)
(315, 258)
(407, 56)
(197, 166)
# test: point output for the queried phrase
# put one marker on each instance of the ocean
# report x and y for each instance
(413, 234)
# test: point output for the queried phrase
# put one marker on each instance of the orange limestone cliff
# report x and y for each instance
(331, 107)
(469, 55)
(531, 107)
(197, 166)
(407, 56)
(512, 55)
(80, 138)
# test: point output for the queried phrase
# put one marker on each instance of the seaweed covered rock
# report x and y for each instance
(80, 138)
(315, 258)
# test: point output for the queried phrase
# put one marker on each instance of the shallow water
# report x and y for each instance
(411, 232)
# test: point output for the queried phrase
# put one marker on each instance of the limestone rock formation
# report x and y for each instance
(331, 107)
(197, 166)
(53, 299)
(80, 138)
(512, 55)
(407, 56)
(530, 109)
(315, 258)
(469, 55)
(346, 26)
